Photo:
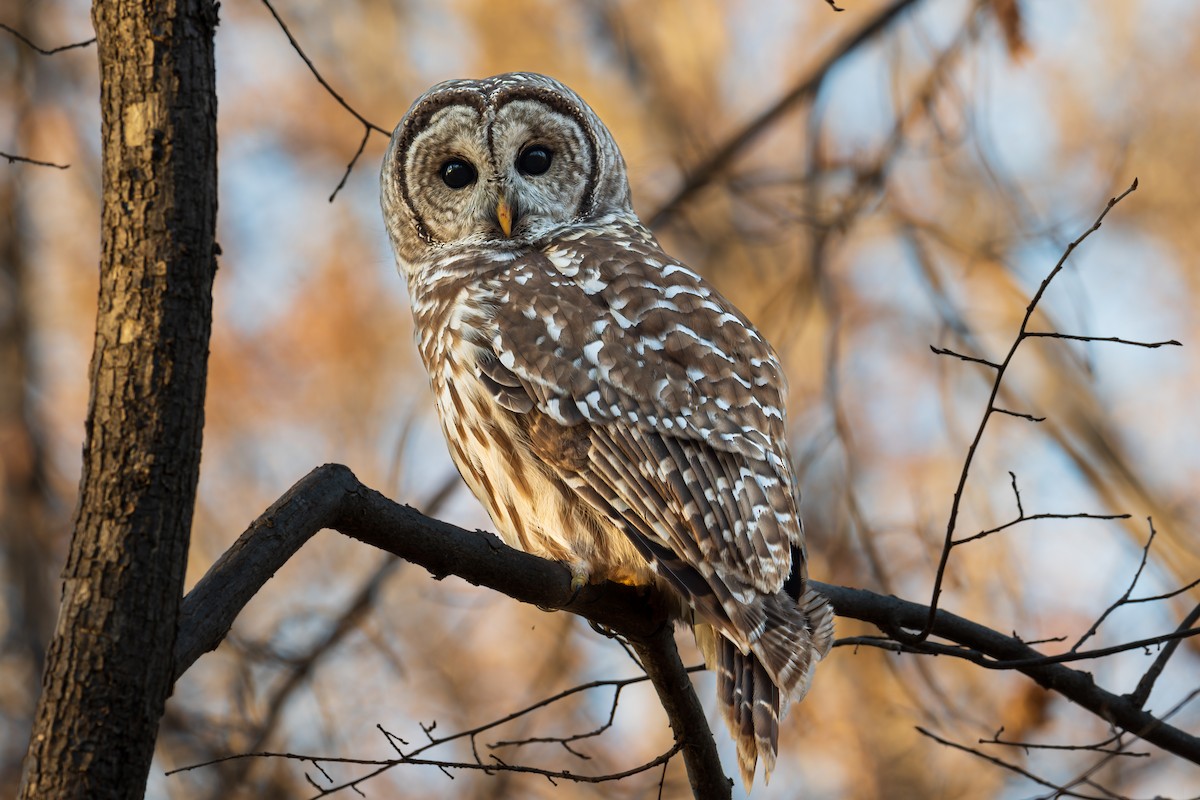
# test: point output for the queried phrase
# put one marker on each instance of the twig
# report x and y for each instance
(384, 765)
(366, 123)
(1060, 791)
(944, 351)
(1117, 339)
(1019, 414)
(25, 40)
(1124, 598)
(1097, 747)
(1032, 517)
(13, 159)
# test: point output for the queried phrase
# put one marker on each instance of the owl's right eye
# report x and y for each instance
(457, 173)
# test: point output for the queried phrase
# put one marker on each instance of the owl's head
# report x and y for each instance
(500, 163)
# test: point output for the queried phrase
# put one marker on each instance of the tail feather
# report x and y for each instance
(754, 689)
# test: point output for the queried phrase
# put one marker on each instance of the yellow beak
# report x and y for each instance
(504, 216)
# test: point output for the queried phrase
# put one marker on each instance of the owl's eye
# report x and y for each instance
(534, 160)
(457, 173)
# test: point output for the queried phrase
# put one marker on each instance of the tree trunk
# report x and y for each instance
(108, 669)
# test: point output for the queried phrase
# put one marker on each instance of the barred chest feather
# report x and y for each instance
(532, 508)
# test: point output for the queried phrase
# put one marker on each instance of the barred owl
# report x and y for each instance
(606, 405)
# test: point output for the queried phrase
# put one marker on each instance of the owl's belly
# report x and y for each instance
(532, 507)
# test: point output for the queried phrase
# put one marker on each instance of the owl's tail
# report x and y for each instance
(754, 689)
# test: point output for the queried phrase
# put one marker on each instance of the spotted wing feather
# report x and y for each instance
(671, 406)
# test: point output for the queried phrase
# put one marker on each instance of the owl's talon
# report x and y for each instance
(579, 579)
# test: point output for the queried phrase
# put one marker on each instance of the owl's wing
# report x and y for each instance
(660, 404)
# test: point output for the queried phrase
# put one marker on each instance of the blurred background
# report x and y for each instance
(922, 175)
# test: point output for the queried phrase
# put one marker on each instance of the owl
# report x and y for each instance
(608, 406)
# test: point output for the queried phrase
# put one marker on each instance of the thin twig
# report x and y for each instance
(1124, 598)
(1060, 791)
(25, 40)
(1096, 747)
(13, 159)
(1019, 414)
(1117, 339)
(945, 351)
(1032, 517)
(384, 765)
(369, 126)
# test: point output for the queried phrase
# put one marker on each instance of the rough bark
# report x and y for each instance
(109, 666)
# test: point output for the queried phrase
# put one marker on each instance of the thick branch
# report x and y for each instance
(332, 497)
(893, 615)
(670, 678)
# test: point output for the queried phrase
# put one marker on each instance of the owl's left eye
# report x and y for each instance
(457, 173)
(534, 160)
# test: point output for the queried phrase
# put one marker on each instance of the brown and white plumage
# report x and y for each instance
(609, 408)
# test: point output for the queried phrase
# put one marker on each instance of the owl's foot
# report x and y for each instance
(580, 577)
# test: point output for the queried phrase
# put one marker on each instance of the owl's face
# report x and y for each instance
(500, 163)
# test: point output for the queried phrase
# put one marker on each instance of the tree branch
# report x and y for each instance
(893, 616)
(714, 165)
(13, 159)
(332, 497)
(1001, 370)
(43, 50)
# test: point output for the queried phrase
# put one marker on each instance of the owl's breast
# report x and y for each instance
(531, 506)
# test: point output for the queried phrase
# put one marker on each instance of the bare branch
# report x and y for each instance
(1001, 370)
(1103, 746)
(1017, 494)
(1124, 598)
(357, 153)
(444, 765)
(25, 41)
(13, 159)
(692, 734)
(366, 123)
(1141, 693)
(945, 351)
(702, 174)
(1032, 517)
(1118, 340)
(1059, 791)
(894, 616)
(1019, 414)
(330, 496)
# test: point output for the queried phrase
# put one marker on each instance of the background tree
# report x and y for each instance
(864, 185)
